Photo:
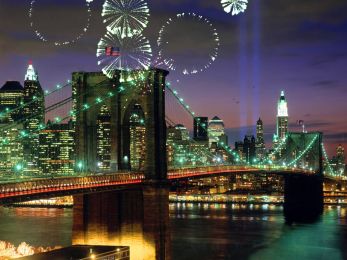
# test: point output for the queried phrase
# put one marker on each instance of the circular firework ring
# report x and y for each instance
(128, 16)
(43, 38)
(170, 62)
(234, 6)
(115, 52)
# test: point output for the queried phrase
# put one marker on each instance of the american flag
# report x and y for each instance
(112, 51)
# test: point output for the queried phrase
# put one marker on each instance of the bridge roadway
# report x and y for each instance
(63, 186)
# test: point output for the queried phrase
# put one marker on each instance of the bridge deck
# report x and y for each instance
(55, 187)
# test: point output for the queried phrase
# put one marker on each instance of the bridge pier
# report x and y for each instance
(136, 218)
(303, 197)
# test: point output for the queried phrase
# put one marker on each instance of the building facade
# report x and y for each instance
(57, 149)
(216, 131)
(137, 138)
(34, 115)
(103, 139)
(11, 147)
(260, 143)
(249, 149)
(201, 128)
(282, 117)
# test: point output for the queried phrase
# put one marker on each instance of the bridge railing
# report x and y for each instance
(200, 171)
(71, 182)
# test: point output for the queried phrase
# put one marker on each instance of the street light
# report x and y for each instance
(80, 166)
(19, 167)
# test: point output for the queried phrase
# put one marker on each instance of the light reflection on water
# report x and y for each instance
(249, 231)
(203, 231)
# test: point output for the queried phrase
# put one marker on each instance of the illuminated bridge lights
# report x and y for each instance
(309, 147)
(80, 184)
(44, 186)
(86, 106)
(331, 171)
(192, 113)
(46, 93)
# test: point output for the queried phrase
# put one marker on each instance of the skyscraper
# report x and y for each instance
(11, 148)
(34, 114)
(178, 145)
(216, 131)
(56, 154)
(137, 138)
(11, 97)
(260, 143)
(282, 117)
(340, 160)
(103, 139)
(249, 148)
(200, 128)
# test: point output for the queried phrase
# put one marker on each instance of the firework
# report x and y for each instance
(164, 43)
(123, 53)
(43, 38)
(128, 16)
(234, 6)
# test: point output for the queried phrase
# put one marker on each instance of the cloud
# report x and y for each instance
(325, 83)
(339, 137)
(327, 59)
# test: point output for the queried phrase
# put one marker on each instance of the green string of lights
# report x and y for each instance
(47, 110)
(192, 114)
(310, 145)
(278, 148)
(331, 170)
(46, 93)
(85, 107)
(57, 120)
(54, 106)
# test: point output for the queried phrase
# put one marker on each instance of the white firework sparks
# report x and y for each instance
(123, 53)
(163, 43)
(128, 16)
(234, 6)
(43, 38)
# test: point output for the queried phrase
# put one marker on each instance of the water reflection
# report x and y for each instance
(198, 230)
(139, 219)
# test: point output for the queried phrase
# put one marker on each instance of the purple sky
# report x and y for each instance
(296, 46)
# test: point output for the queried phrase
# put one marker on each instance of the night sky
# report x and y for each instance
(293, 45)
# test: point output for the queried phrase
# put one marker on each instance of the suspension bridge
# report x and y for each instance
(299, 157)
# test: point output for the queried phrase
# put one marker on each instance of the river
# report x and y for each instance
(204, 231)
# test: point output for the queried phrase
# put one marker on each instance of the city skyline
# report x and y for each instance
(271, 139)
(173, 129)
(293, 60)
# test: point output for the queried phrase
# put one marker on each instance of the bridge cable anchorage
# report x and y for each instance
(57, 120)
(46, 94)
(192, 114)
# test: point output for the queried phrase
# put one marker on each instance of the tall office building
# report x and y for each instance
(340, 160)
(137, 138)
(103, 139)
(249, 149)
(11, 97)
(216, 131)
(239, 149)
(200, 128)
(11, 148)
(178, 145)
(56, 153)
(34, 114)
(282, 117)
(260, 143)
